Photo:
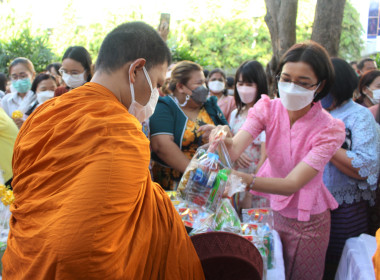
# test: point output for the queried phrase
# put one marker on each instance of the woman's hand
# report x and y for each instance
(207, 128)
(245, 177)
(244, 161)
(220, 133)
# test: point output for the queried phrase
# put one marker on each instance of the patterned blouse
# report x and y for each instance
(363, 147)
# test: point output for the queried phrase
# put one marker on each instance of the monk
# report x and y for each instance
(85, 205)
(376, 256)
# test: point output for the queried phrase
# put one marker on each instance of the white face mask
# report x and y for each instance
(247, 94)
(216, 86)
(230, 92)
(295, 97)
(74, 81)
(44, 95)
(376, 95)
(141, 112)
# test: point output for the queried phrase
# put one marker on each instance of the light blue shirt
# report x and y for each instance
(364, 152)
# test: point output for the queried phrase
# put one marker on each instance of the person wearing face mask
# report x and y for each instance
(43, 86)
(21, 72)
(301, 138)
(217, 86)
(352, 174)
(369, 89)
(230, 85)
(251, 83)
(174, 127)
(76, 69)
(83, 191)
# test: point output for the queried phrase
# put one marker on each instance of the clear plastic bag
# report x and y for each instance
(234, 185)
(205, 178)
(260, 212)
(261, 236)
(225, 219)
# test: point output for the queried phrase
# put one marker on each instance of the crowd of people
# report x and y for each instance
(89, 186)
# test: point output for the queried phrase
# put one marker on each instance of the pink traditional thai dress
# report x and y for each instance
(302, 219)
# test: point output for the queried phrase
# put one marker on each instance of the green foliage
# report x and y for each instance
(221, 43)
(305, 20)
(71, 32)
(216, 37)
(24, 44)
(351, 43)
(182, 52)
(376, 57)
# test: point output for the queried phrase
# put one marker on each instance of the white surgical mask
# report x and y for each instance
(73, 81)
(230, 92)
(216, 86)
(295, 97)
(43, 96)
(143, 112)
(247, 94)
(376, 95)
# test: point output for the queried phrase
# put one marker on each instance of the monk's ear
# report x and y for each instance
(135, 66)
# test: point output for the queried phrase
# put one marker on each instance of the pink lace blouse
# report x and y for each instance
(227, 105)
(313, 139)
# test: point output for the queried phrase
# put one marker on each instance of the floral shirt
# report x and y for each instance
(192, 139)
(169, 178)
(363, 147)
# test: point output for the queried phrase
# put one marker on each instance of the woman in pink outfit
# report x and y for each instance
(217, 86)
(301, 138)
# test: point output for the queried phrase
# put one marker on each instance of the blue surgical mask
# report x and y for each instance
(327, 101)
(22, 85)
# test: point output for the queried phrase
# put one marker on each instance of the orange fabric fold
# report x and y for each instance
(85, 205)
(376, 256)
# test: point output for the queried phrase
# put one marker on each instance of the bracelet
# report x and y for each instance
(253, 181)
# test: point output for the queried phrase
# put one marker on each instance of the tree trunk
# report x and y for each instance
(327, 25)
(281, 21)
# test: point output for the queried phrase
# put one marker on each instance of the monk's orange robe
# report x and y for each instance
(376, 257)
(85, 205)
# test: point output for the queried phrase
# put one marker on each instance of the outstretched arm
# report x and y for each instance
(296, 179)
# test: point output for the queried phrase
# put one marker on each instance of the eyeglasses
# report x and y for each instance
(301, 84)
(74, 72)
